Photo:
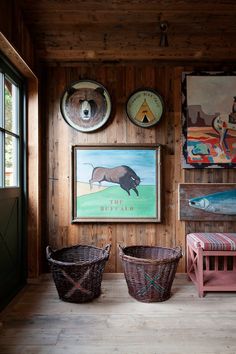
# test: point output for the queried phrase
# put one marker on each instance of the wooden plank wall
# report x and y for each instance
(91, 30)
(120, 80)
(57, 136)
(14, 29)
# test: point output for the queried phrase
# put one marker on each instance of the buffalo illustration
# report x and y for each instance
(122, 175)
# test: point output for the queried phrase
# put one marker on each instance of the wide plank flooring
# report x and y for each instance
(37, 322)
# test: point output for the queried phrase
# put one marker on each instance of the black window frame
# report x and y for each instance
(17, 79)
(12, 72)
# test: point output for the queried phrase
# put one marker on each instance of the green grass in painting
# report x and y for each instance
(114, 202)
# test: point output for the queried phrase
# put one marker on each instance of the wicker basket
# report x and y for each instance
(77, 271)
(150, 271)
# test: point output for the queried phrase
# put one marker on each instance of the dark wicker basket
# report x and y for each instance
(150, 271)
(77, 271)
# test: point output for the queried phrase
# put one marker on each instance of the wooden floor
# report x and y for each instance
(38, 322)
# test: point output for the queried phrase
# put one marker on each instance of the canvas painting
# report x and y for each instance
(207, 201)
(116, 183)
(209, 120)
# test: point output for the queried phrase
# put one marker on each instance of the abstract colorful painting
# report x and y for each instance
(209, 120)
(116, 183)
(207, 201)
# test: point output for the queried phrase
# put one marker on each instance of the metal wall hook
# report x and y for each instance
(163, 38)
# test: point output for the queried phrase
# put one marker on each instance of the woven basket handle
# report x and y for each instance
(49, 252)
(107, 249)
(121, 250)
(179, 250)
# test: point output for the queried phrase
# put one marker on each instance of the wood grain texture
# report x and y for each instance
(199, 32)
(121, 30)
(38, 322)
(75, 5)
(11, 19)
(120, 80)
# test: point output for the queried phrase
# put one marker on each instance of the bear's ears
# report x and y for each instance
(70, 91)
(100, 90)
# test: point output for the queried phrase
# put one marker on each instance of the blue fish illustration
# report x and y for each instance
(218, 203)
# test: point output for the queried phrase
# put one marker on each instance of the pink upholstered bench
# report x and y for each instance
(211, 261)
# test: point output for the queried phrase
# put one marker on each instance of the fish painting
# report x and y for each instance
(217, 203)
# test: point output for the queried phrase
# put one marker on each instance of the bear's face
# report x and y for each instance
(86, 107)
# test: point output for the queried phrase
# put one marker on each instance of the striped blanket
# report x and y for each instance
(213, 241)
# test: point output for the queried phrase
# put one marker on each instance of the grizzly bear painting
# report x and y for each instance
(86, 105)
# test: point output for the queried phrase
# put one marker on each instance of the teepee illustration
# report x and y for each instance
(144, 113)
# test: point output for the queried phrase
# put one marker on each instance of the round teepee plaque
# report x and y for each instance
(145, 107)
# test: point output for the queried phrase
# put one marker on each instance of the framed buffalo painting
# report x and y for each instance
(116, 183)
(209, 119)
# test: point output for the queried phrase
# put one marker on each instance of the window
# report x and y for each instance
(10, 113)
(12, 181)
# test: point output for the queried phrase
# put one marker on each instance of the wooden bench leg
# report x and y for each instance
(189, 262)
(200, 272)
(201, 293)
(195, 267)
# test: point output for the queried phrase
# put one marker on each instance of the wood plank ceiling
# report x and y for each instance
(74, 30)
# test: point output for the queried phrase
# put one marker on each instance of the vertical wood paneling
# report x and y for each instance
(5, 17)
(121, 80)
(14, 29)
(57, 138)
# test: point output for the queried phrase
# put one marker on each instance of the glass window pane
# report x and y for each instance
(1, 159)
(1, 99)
(11, 106)
(11, 161)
